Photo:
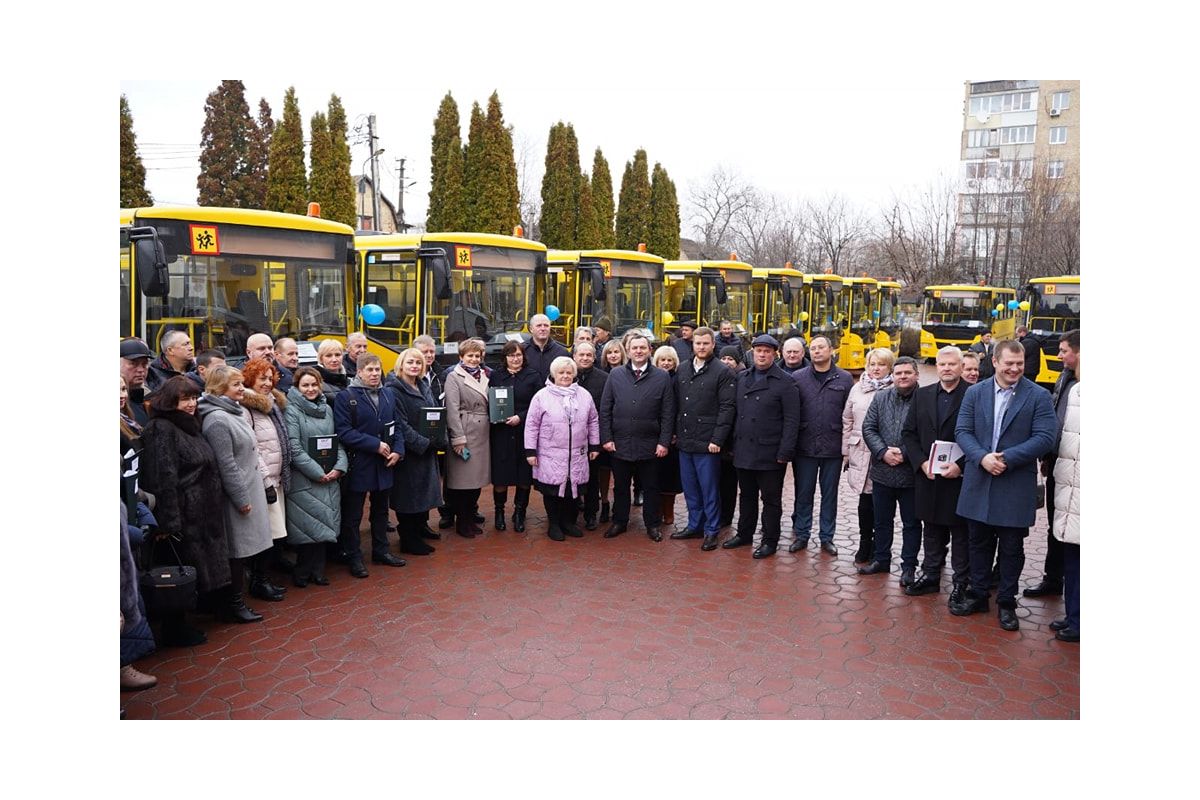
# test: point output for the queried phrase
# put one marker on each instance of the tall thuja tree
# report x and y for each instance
(255, 182)
(500, 199)
(287, 185)
(226, 171)
(473, 171)
(602, 200)
(561, 189)
(340, 206)
(447, 206)
(633, 213)
(663, 238)
(133, 173)
(320, 159)
(587, 233)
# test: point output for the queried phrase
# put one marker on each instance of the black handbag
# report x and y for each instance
(168, 589)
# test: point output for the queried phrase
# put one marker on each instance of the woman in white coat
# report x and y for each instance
(856, 456)
(1066, 516)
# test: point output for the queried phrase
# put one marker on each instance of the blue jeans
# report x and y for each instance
(805, 470)
(700, 474)
(885, 499)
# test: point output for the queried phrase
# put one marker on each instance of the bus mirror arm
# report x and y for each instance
(150, 258)
(435, 259)
(722, 292)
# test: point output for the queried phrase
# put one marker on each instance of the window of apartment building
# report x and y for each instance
(999, 103)
(983, 137)
(1018, 134)
(1056, 202)
(1021, 168)
(1058, 135)
(1056, 169)
(981, 169)
(1060, 100)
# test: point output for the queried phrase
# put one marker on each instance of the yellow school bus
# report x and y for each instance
(1053, 309)
(221, 274)
(887, 316)
(707, 292)
(776, 301)
(451, 286)
(861, 322)
(624, 285)
(825, 305)
(958, 314)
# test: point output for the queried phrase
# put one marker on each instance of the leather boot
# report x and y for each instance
(499, 499)
(553, 513)
(866, 548)
(568, 514)
(520, 503)
(668, 509)
(235, 609)
(260, 587)
(411, 541)
(605, 511)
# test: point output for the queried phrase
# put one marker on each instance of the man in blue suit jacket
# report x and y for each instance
(1005, 424)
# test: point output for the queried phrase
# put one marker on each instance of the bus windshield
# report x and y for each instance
(1054, 307)
(862, 300)
(889, 309)
(485, 302)
(957, 307)
(682, 296)
(633, 303)
(734, 307)
(824, 309)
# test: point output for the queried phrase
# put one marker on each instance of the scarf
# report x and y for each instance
(875, 384)
(472, 371)
(566, 396)
(131, 423)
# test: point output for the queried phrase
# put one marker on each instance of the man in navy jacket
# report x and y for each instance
(1005, 424)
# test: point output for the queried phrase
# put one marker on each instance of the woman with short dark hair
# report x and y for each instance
(509, 467)
(468, 467)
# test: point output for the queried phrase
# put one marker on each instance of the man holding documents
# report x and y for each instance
(1005, 425)
(937, 461)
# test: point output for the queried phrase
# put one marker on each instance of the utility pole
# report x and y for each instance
(400, 208)
(374, 172)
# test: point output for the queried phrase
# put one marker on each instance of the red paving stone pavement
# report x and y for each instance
(516, 626)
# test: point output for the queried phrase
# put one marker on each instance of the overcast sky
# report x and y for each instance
(840, 134)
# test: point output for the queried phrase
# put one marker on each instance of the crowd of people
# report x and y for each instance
(234, 471)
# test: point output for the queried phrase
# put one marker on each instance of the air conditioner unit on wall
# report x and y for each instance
(1054, 112)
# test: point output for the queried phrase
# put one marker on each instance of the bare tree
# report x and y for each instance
(837, 229)
(916, 239)
(529, 181)
(712, 206)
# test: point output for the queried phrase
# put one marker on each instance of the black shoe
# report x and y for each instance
(829, 548)
(445, 522)
(262, 589)
(605, 511)
(519, 519)
(654, 533)
(875, 568)
(687, 533)
(464, 529)
(1059, 624)
(958, 594)
(499, 520)
(319, 580)
(616, 529)
(430, 533)
(389, 560)
(183, 635)
(479, 518)
(556, 533)
(638, 499)
(796, 546)
(358, 570)
(969, 606)
(709, 543)
(1008, 619)
(1046, 587)
(299, 581)
(1067, 635)
(927, 584)
(237, 611)
(589, 522)
(908, 576)
(572, 531)
(866, 550)
(765, 550)
(415, 547)
(736, 541)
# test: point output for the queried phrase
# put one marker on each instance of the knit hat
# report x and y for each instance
(732, 351)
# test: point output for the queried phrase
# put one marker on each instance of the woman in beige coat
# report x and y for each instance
(856, 456)
(468, 465)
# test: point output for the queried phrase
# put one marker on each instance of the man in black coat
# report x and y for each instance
(541, 350)
(706, 401)
(594, 380)
(135, 365)
(931, 417)
(985, 348)
(176, 359)
(764, 442)
(1032, 346)
(683, 342)
(726, 337)
(287, 361)
(637, 420)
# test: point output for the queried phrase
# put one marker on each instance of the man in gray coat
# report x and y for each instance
(892, 479)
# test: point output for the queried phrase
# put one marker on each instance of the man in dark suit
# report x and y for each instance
(932, 417)
(764, 443)
(985, 348)
(540, 351)
(637, 421)
(1005, 424)
(592, 379)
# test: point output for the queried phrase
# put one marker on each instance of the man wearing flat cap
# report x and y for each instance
(683, 342)
(764, 442)
(135, 365)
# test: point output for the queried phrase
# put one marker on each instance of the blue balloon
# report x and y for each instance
(552, 312)
(875, 314)
(373, 314)
(995, 313)
(650, 325)
(1012, 304)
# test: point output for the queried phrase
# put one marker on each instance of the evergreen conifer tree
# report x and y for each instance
(473, 172)
(287, 185)
(602, 200)
(447, 209)
(133, 172)
(320, 155)
(501, 196)
(226, 173)
(633, 212)
(255, 182)
(588, 233)
(663, 238)
(561, 220)
(340, 206)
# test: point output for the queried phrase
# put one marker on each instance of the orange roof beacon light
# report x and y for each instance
(787, 265)
(519, 231)
(733, 255)
(641, 247)
(314, 209)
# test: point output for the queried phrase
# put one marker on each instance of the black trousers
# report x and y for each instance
(1055, 554)
(352, 514)
(646, 471)
(564, 510)
(767, 485)
(1007, 547)
(310, 560)
(729, 492)
(939, 538)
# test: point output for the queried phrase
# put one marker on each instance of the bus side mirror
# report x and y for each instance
(150, 258)
(722, 293)
(599, 286)
(435, 260)
(787, 293)
(868, 299)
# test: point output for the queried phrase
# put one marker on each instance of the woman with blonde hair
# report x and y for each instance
(468, 466)
(416, 484)
(330, 367)
(670, 484)
(856, 456)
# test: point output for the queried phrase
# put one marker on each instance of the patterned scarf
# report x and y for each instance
(565, 395)
(472, 371)
(875, 384)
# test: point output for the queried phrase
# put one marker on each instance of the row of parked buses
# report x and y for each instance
(221, 274)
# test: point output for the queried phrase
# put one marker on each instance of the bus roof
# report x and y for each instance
(891, 284)
(809, 277)
(411, 241)
(235, 216)
(970, 287)
(860, 281)
(1058, 279)
(697, 265)
(575, 256)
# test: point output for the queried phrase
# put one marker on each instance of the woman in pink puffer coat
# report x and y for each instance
(562, 436)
